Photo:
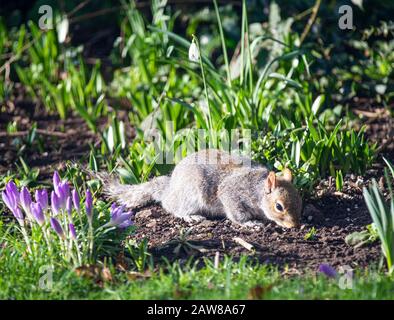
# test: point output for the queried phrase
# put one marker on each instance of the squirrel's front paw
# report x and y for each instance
(253, 224)
(193, 218)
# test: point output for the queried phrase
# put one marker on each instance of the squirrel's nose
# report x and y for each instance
(292, 224)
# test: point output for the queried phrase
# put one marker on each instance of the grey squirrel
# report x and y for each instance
(214, 183)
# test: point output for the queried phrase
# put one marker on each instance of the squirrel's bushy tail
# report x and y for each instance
(136, 195)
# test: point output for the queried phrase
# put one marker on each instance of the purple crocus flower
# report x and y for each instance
(57, 227)
(119, 218)
(73, 233)
(327, 270)
(69, 205)
(89, 204)
(11, 199)
(55, 203)
(10, 202)
(37, 213)
(42, 198)
(25, 200)
(76, 201)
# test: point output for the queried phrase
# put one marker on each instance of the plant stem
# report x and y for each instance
(223, 43)
(27, 240)
(205, 84)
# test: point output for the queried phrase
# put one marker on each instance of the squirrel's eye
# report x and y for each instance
(278, 206)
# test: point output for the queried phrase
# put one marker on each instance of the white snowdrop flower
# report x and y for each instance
(194, 54)
(62, 30)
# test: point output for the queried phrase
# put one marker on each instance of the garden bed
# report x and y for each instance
(333, 214)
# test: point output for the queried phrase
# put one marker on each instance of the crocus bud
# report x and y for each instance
(57, 227)
(56, 181)
(62, 193)
(89, 204)
(76, 200)
(55, 203)
(25, 200)
(12, 191)
(63, 190)
(69, 205)
(42, 198)
(73, 233)
(37, 213)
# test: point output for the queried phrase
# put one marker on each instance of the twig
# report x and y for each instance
(217, 260)
(377, 114)
(77, 8)
(243, 243)
(39, 131)
(311, 20)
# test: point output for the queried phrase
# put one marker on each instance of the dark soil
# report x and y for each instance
(379, 125)
(56, 140)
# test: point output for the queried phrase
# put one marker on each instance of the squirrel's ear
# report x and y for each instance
(271, 181)
(287, 175)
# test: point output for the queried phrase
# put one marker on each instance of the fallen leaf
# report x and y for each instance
(258, 292)
(134, 275)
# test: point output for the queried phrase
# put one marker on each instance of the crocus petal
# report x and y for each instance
(327, 270)
(76, 201)
(69, 205)
(55, 204)
(25, 200)
(37, 213)
(19, 216)
(9, 202)
(125, 224)
(42, 198)
(56, 181)
(61, 195)
(63, 192)
(89, 204)
(73, 233)
(66, 188)
(12, 191)
(120, 218)
(57, 227)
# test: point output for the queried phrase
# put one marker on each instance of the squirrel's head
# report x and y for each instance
(281, 202)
